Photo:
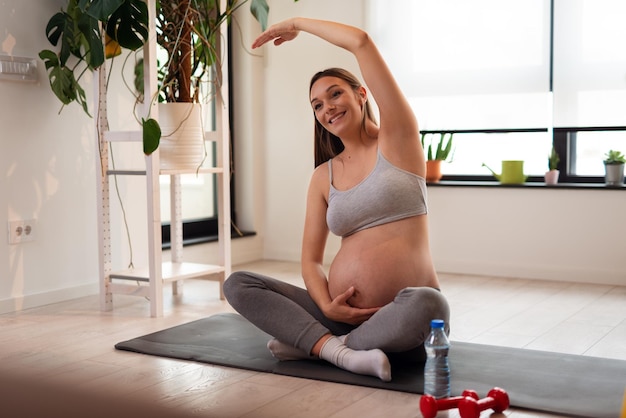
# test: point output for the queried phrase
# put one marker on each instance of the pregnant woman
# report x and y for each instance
(368, 187)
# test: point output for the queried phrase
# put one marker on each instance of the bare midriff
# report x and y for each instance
(382, 260)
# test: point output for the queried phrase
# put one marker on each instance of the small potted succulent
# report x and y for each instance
(614, 168)
(435, 154)
(552, 175)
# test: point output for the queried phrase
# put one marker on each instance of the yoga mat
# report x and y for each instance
(564, 384)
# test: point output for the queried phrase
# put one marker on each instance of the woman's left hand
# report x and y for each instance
(279, 33)
(340, 310)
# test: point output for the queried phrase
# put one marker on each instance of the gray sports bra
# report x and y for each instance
(386, 195)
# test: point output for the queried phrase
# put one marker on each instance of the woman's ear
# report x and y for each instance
(362, 95)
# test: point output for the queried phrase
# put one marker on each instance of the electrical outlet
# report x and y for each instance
(21, 231)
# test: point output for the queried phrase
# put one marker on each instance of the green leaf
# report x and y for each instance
(61, 27)
(49, 58)
(91, 41)
(614, 157)
(448, 147)
(151, 135)
(439, 153)
(56, 27)
(62, 81)
(138, 80)
(100, 9)
(81, 98)
(260, 10)
(128, 25)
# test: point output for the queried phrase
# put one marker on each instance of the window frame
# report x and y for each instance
(564, 142)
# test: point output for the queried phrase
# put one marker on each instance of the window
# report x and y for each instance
(197, 198)
(512, 79)
(495, 147)
(585, 148)
(198, 206)
(589, 150)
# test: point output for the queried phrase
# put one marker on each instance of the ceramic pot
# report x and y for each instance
(552, 177)
(182, 140)
(614, 176)
(433, 171)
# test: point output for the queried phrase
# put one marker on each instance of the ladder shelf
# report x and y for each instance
(148, 281)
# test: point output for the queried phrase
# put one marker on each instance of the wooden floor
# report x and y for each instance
(59, 360)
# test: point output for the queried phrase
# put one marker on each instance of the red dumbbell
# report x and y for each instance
(429, 405)
(497, 399)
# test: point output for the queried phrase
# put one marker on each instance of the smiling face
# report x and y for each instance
(337, 106)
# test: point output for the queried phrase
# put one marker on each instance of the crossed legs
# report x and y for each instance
(301, 330)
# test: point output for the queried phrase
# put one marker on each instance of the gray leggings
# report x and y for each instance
(289, 314)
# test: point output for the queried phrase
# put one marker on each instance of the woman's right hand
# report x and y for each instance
(340, 310)
(280, 32)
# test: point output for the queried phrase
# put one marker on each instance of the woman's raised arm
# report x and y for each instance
(398, 124)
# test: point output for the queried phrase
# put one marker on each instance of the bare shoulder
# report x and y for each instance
(320, 181)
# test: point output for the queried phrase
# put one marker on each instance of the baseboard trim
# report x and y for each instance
(19, 303)
(534, 272)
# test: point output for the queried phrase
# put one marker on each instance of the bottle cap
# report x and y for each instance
(436, 323)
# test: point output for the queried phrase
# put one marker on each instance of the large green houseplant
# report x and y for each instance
(186, 30)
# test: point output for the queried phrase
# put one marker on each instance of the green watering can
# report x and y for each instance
(512, 172)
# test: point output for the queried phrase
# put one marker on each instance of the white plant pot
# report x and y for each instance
(552, 177)
(182, 136)
(614, 174)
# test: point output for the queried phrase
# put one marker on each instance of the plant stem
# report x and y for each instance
(185, 55)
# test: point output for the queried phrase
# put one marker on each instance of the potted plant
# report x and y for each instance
(435, 154)
(186, 29)
(76, 31)
(552, 175)
(191, 75)
(614, 168)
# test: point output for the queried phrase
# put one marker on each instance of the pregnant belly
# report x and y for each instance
(374, 285)
(379, 268)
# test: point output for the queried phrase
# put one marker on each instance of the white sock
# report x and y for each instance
(283, 352)
(368, 362)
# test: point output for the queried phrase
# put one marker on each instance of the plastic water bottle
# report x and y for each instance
(437, 368)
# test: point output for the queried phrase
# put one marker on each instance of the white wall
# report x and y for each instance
(48, 163)
(538, 233)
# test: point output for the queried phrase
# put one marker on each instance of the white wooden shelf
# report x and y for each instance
(148, 281)
(136, 136)
(170, 272)
(168, 172)
(203, 170)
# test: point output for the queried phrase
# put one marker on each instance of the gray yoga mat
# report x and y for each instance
(563, 384)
